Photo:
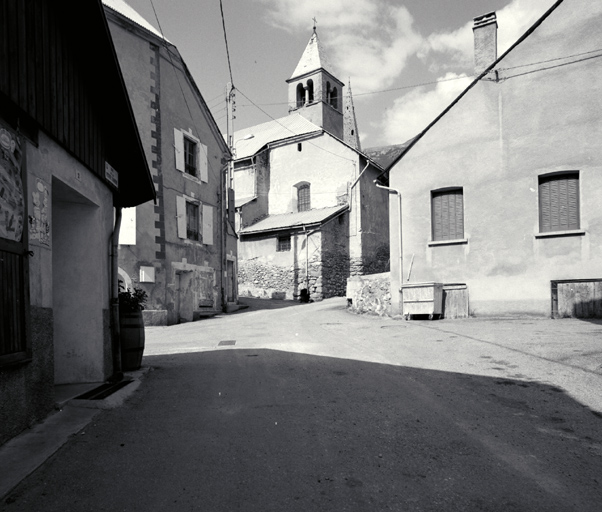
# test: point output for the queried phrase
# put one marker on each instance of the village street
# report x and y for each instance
(306, 407)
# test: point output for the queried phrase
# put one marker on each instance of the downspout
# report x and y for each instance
(224, 179)
(114, 281)
(306, 258)
(395, 191)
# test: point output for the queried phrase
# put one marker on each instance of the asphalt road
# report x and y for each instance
(309, 408)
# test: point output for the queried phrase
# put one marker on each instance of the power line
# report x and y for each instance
(226, 40)
(287, 128)
(464, 76)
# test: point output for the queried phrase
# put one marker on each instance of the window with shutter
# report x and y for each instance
(192, 221)
(447, 214)
(559, 202)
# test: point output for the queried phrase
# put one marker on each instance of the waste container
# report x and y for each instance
(422, 299)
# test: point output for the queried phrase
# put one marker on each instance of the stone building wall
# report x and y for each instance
(370, 294)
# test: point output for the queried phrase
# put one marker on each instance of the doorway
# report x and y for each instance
(79, 291)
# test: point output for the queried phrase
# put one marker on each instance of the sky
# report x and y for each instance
(385, 48)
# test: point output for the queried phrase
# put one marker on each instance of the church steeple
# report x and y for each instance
(314, 92)
(351, 134)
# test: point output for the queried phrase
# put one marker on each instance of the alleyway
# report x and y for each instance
(309, 408)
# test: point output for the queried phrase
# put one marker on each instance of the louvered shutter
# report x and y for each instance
(559, 202)
(447, 215)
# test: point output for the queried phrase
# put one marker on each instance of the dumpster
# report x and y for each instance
(422, 299)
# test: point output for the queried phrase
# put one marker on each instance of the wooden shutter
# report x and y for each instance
(178, 145)
(202, 158)
(181, 216)
(207, 224)
(559, 202)
(447, 215)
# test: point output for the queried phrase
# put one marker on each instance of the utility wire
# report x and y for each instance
(226, 40)
(462, 77)
(173, 66)
(287, 128)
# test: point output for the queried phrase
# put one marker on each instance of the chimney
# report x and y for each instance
(485, 41)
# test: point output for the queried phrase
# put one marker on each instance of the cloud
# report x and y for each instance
(411, 113)
(442, 52)
(379, 36)
(454, 49)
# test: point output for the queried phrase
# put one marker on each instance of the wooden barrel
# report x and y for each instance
(131, 327)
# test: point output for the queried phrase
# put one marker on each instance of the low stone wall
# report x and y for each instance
(370, 294)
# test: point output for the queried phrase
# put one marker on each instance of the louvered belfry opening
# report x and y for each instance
(559, 202)
(447, 212)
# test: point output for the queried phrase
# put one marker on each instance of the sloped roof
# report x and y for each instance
(292, 220)
(412, 142)
(386, 155)
(126, 10)
(278, 129)
(313, 58)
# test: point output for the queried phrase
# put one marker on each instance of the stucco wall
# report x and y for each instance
(323, 162)
(68, 285)
(495, 143)
(164, 98)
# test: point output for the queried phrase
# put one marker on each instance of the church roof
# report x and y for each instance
(313, 58)
(294, 220)
(278, 129)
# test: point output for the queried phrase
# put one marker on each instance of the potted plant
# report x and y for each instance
(131, 327)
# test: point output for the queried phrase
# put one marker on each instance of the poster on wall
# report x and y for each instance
(12, 201)
(39, 222)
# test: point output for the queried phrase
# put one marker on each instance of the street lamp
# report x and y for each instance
(246, 137)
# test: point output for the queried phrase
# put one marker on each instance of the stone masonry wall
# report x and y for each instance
(370, 294)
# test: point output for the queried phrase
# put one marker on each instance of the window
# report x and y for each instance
(447, 214)
(303, 198)
(310, 91)
(284, 243)
(299, 147)
(190, 152)
(192, 221)
(190, 155)
(300, 95)
(559, 202)
(334, 98)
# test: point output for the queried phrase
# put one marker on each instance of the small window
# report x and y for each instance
(299, 147)
(447, 214)
(303, 198)
(284, 243)
(190, 152)
(310, 91)
(192, 221)
(559, 202)
(300, 95)
(334, 98)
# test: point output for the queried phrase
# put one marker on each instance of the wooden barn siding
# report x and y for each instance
(41, 76)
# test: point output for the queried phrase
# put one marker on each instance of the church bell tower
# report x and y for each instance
(314, 92)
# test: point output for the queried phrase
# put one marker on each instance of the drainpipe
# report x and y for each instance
(306, 258)
(114, 281)
(224, 178)
(395, 191)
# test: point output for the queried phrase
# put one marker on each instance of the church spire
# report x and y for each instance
(313, 58)
(314, 92)
(350, 132)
